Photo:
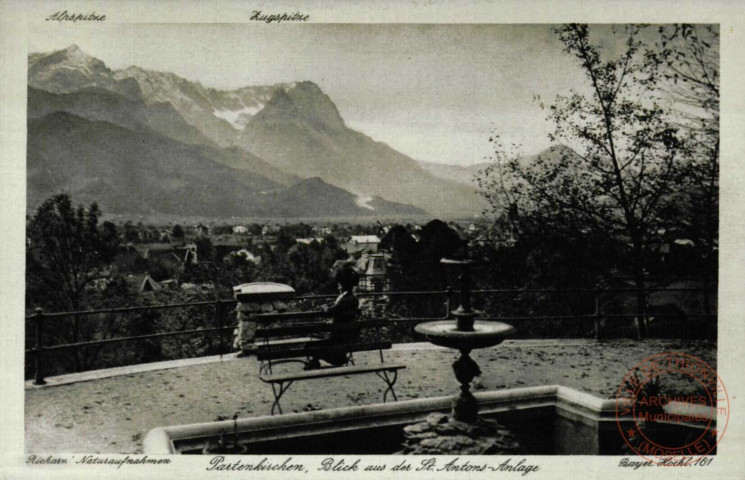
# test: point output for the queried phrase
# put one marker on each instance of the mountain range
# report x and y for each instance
(139, 141)
(456, 173)
(468, 175)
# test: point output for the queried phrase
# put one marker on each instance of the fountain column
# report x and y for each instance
(465, 406)
(464, 432)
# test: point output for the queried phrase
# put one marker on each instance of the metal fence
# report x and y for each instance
(220, 308)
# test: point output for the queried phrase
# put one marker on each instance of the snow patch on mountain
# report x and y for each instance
(363, 200)
(238, 118)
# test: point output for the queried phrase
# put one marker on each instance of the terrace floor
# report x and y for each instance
(109, 411)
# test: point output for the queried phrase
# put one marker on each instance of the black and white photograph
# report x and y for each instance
(284, 245)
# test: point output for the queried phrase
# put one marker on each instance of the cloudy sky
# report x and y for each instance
(433, 92)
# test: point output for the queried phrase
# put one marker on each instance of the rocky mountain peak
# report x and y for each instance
(312, 182)
(302, 102)
(280, 107)
(306, 86)
(72, 69)
(72, 57)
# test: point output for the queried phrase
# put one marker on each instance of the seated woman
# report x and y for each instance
(343, 311)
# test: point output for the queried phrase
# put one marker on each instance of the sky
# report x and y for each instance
(434, 92)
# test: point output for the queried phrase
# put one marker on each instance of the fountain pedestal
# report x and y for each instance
(445, 333)
(464, 432)
(465, 406)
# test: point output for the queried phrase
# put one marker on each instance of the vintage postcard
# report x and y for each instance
(402, 239)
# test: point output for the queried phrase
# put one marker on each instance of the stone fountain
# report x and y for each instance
(463, 432)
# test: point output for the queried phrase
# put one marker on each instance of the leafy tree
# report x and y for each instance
(222, 229)
(689, 56)
(332, 243)
(621, 176)
(178, 231)
(67, 251)
(285, 241)
(131, 233)
(67, 255)
(301, 230)
(205, 249)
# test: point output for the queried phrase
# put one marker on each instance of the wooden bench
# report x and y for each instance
(289, 337)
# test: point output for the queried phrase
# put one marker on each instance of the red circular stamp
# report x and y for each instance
(672, 409)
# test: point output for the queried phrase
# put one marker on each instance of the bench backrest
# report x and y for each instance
(286, 327)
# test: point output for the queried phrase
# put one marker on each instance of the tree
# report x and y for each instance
(689, 56)
(178, 231)
(131, 233)
(285, 240)
(622, 172)
(67, 251)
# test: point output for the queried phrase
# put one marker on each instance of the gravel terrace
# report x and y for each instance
(111, 415)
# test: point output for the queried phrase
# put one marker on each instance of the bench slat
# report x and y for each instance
(287, 316)
(285, 343)
(273, 354)
(331, 372)
(317, 328)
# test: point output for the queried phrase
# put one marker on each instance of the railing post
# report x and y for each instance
(39, 347)
(220, 323)
(596, 294)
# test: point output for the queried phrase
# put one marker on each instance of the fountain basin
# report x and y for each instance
(548, 420)
(446, 334)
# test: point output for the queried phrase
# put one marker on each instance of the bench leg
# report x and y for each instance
(390, 382)
(278, 392)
